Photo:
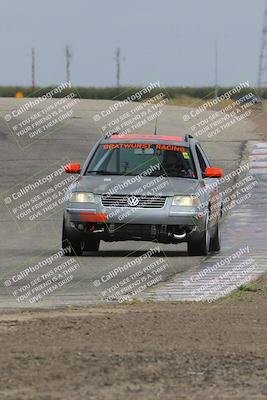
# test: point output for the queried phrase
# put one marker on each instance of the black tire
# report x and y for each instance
(91, 244)
(78, 245)
(76, 248)
(200, 247)
(215, 241)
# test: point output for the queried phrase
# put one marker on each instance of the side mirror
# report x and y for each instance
(73, 168)
(211, 172)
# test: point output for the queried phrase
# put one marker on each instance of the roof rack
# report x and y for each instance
(187, 137)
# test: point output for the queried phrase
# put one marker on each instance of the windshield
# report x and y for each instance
(140, 158)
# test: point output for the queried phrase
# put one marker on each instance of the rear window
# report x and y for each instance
(137, 158)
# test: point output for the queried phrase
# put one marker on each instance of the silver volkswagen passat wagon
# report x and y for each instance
(143, 187)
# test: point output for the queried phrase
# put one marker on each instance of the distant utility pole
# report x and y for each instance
(118, 66)
(216, 71)
(68, 58)
(263, 53)
(33, 68)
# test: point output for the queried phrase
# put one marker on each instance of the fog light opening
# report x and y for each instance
(80, 227)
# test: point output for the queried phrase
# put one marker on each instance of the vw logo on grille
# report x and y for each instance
(132, 201)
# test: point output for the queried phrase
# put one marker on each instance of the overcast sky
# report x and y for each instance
(168, 40)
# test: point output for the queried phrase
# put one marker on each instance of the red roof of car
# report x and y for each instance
(149, 137)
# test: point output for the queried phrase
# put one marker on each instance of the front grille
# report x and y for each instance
(115, 200)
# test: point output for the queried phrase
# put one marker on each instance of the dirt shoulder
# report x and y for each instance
(141, 351)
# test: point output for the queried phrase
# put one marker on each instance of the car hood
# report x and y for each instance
(129, 185)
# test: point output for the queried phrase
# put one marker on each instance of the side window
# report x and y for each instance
(202, 162)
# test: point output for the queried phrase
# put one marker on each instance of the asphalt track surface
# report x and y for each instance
(72, 141)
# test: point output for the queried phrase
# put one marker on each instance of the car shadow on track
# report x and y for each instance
(132, 253)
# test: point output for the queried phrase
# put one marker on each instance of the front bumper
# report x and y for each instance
(136, 223)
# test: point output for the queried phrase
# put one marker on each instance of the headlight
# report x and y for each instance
(188, 201)
(82, 197)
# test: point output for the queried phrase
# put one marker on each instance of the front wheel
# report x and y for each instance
(215, 241)
(78, 245)
(200, 247)
(70, 246)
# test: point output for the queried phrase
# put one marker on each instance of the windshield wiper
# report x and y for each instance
(102, 172)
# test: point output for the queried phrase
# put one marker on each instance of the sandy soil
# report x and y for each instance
(141, 351)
